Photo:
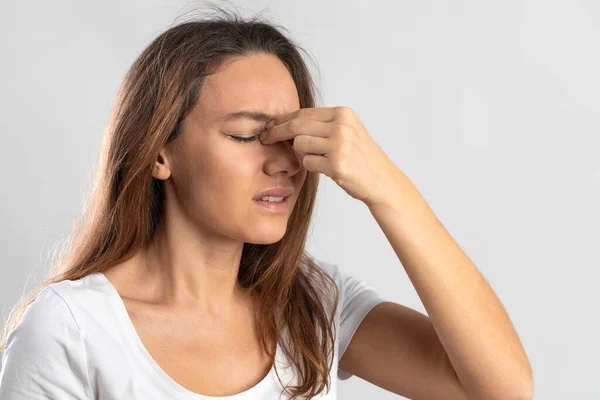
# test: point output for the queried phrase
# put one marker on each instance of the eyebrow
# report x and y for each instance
(245, 114)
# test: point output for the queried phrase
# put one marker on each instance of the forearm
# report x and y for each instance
(473, 327)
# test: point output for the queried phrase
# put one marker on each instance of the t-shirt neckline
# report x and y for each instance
(123, 316)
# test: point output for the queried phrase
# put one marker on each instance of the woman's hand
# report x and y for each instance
(333, 141)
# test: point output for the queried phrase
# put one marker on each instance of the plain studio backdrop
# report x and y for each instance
(492, 108)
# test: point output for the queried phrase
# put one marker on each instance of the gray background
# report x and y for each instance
(491, 107)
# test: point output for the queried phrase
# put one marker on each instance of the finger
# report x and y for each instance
(316, 163)
(305, 144)
(324, 114)
(287, 131)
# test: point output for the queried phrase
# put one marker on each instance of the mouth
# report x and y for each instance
(273, 203)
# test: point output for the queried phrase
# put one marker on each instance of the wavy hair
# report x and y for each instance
(125, 205)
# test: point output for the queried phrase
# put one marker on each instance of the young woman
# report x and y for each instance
(187, 277)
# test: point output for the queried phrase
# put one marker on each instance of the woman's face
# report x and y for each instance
(215, 178)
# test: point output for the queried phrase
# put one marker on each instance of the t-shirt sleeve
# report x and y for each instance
(356, 299)
(45, 355)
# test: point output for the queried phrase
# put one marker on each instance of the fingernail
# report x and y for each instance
(270, 124)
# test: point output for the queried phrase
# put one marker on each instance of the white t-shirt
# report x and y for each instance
(76, 341)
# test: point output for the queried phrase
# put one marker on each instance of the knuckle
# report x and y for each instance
(338, 164)
(345, 113)
(341, 130)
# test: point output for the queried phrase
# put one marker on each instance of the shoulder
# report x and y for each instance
(47, 318)
(354, 293)
(356, 296)
(56, 312)
(49, 309)
(330, 268)
(45, 355)
(347, 283)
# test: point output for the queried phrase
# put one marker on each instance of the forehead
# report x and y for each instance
(259, 83)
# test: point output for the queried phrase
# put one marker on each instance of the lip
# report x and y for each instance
(277, 208)
(279, 191)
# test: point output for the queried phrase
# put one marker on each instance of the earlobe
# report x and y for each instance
(160, 169)
(160, 172)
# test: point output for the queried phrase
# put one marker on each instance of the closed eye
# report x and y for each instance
(246, 139)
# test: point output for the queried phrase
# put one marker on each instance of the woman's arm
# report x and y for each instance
(471, 324)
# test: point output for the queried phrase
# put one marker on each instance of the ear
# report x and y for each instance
(162, 166)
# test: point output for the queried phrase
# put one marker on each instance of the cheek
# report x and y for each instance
(230, 179)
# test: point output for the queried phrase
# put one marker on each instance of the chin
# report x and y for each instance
(269, 235)
(264, 242)
(271, 239)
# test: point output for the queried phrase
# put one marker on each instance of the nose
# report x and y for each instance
(282, 156)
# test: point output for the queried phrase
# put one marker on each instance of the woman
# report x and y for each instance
(187, 277)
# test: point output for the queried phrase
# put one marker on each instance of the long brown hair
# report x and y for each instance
(125, 206)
